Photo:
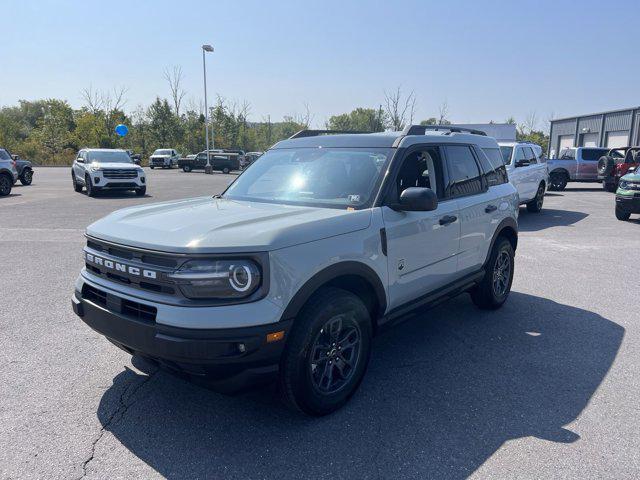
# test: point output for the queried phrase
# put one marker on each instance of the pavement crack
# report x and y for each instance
(123, 407)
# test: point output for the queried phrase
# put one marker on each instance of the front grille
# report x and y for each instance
(157, 161)
(128, 308)
(120, 173)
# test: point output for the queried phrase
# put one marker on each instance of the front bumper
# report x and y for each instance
(100, 181)
(228, 359)
(629, 203)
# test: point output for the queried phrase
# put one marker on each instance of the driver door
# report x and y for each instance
(422, 247)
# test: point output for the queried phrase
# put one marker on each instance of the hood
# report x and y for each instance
(108, 165)
(631, 177)
(161, 156)
(211, 225)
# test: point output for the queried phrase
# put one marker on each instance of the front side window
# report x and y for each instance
(323, 177)
(464, 175)
(529, 155)
(108, 156)
(421, 168)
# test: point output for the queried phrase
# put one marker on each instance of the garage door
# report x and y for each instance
(565, 141)
(617, 139)
(590, 139)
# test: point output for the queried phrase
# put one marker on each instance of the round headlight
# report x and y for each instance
(240, 277)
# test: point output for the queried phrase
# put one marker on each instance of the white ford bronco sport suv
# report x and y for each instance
(100, 169)
(289, 273)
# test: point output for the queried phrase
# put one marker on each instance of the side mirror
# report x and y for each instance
(416, 199)
(79, 160)
(522, 163)
(15, 157)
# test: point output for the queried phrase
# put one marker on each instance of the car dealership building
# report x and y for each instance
(616, 128)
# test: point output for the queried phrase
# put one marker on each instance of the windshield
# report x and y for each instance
(323, 177)
(162, 152)
(108, 156)
(506, 154)
(4, 155)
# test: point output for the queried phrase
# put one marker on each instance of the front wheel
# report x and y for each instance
(609, 187)
(535, 205)
(151, 167)
(26, 177)
(493, 290)
(76, 186)
(6, 184)
(327, 352)
(225, 170)
(622, 214)
(91, 191)
(186, 168)
(558, 181)
(141, 192)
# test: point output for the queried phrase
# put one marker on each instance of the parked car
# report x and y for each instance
(222, 161)
(628, 194)
(98, 169)
(164, 158)
(249, 158)
(576, 164)
(318, 246)
(136, 157)
(615, 164)
(8, 172)
(527, 172)
(25, 170)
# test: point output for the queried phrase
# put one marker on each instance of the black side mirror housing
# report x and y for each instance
(417, 199)
(522, 163)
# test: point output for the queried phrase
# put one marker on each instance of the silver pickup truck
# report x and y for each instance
(575, 164)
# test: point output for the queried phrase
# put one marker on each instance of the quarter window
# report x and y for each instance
(464, 175)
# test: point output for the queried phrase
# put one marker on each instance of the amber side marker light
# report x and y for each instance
(275, 336)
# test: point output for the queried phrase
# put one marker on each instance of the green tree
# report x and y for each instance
(359, 120)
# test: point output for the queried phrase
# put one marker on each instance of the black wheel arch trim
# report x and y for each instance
(333, 272)
(505, 225)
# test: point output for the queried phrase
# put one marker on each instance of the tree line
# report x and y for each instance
(50, 131)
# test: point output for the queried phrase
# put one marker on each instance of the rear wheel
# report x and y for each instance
(609, 187)
(535, 205)
(225, 170)
(493, 290)
(186, 168)
(327, 352)
(622, 214)
(26, 177)
(558, 181)
(151, 167)
(6, 183)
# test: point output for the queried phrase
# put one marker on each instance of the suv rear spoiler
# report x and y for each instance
(316, 133)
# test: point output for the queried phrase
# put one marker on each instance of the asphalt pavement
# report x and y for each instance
(546, 387)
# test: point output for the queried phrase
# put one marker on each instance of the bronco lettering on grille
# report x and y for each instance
(120, 267)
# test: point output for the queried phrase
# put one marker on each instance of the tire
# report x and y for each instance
(225, 170)
(330, 314)
(26, 177)
(609, 187)
(535, 205)
(606, 165)
(141, 192)
(492, 292)
(558, 181)
(6, 184)
(91, 191)
(151, 167)
(186, 168)
(76, 186)
(622, 215)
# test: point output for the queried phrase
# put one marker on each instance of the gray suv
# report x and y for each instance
(289, 273)
(8, 172)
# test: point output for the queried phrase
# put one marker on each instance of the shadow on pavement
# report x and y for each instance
(443, 392)
(547, 218)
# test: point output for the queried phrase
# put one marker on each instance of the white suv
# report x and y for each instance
(321, 243)
(527, 172)
(98, 169)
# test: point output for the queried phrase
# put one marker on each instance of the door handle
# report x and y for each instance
(490, 208)
(447, 219)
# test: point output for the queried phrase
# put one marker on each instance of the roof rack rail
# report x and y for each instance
(422, 129)
(316, 133)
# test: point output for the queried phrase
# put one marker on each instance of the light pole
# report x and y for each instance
(206, 48)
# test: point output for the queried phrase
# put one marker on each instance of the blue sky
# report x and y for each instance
(487, 59)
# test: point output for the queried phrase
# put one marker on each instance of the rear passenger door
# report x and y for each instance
(476, 204)
(421, 246)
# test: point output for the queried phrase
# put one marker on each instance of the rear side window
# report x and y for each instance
(464, 174)
(593, 154)
(492, 164)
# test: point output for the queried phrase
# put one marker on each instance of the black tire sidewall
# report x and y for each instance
(502, 245)
(5, 185)
(26, 177)
(295, 374)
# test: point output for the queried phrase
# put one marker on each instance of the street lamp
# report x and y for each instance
(206, 48)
